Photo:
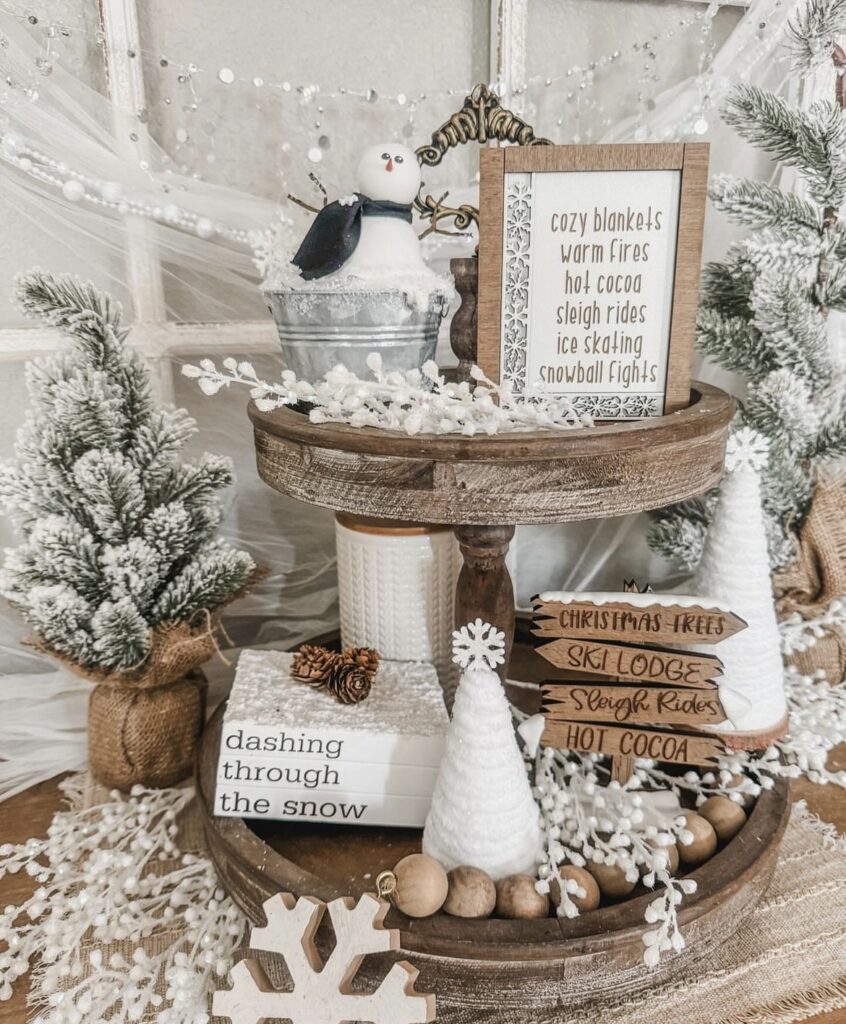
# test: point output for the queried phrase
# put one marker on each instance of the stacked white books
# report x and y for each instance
(290, 752)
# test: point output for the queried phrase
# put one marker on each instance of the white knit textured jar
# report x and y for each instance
(396, 584)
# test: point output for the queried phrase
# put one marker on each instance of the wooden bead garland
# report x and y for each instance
(517, 898)
(725, 816)
(419, 885)
(704, 842)
(472, 893)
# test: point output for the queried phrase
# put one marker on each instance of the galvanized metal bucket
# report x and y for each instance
(319, 329)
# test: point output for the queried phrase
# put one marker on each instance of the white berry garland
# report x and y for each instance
(103, 877)
(415, 401)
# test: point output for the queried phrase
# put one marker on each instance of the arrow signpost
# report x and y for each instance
(633, 681)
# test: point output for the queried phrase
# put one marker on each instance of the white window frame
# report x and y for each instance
(156, 338)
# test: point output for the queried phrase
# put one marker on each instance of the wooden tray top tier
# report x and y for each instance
(519, 478)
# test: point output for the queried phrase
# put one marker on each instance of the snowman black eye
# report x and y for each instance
(386, 156)
(398, 159)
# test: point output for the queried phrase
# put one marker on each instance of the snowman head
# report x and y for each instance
(389, 171)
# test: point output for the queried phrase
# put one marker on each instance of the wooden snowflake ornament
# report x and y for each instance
(322, 992)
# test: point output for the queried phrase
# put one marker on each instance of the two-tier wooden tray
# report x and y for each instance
(484, 487)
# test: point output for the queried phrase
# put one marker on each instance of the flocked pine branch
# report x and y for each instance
(760, 205)
(780, 406)
(73, 306)
(813, 141)
(727, 286)
(118, 534)
(813, 31)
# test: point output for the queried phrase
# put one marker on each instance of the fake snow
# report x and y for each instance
(406, 698)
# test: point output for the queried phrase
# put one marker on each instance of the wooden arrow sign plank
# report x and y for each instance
(677, 748)
(625, 662)
(650, 705)
(656, 623)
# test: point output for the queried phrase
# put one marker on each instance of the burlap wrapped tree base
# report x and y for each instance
(817, 577)
(147, 736)
(144, 723)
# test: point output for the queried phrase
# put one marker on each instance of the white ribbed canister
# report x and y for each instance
(396, 583)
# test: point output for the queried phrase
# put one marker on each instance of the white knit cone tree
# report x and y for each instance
(735, 569)
(483, 813)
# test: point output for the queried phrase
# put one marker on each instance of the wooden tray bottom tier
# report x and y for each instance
(493, 964)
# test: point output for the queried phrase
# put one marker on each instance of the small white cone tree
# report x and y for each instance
(483, 813)
(735, 569)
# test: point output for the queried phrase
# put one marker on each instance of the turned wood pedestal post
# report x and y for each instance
(484, 589)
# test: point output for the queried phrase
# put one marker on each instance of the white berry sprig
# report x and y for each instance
(414, 402)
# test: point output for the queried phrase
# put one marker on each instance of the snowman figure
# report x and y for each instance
(368, 233)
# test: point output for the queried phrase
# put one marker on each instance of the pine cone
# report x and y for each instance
(365, 657)
(313, 664)
(350, 684)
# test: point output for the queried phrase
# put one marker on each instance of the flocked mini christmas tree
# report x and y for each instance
(764, 308)
(734, 568)
(120, 571)
(483, 813)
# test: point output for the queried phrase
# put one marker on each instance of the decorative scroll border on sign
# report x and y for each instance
(518, 253)
(616, 407)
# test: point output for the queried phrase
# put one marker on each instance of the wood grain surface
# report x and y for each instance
(671, 746)
(694, 188)
(462, 329)
(644, 705)
(628, 662)
(646, 624)
(484, 589)
(542, 477)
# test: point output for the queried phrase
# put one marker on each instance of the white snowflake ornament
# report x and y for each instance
(478, 645)
(747, 449)
(322, 991)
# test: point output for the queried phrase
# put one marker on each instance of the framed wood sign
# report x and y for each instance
(589, 261)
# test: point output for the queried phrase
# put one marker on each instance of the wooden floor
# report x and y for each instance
(29, 815)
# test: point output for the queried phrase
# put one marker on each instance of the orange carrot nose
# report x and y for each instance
(389, 166)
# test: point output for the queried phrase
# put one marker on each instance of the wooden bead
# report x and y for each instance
(748, 798)
(726, 817)
(472, 893)
(517, 898)
(421, 887)
(704, 843)
(590, 901)
(611, 880)
(672, 852)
